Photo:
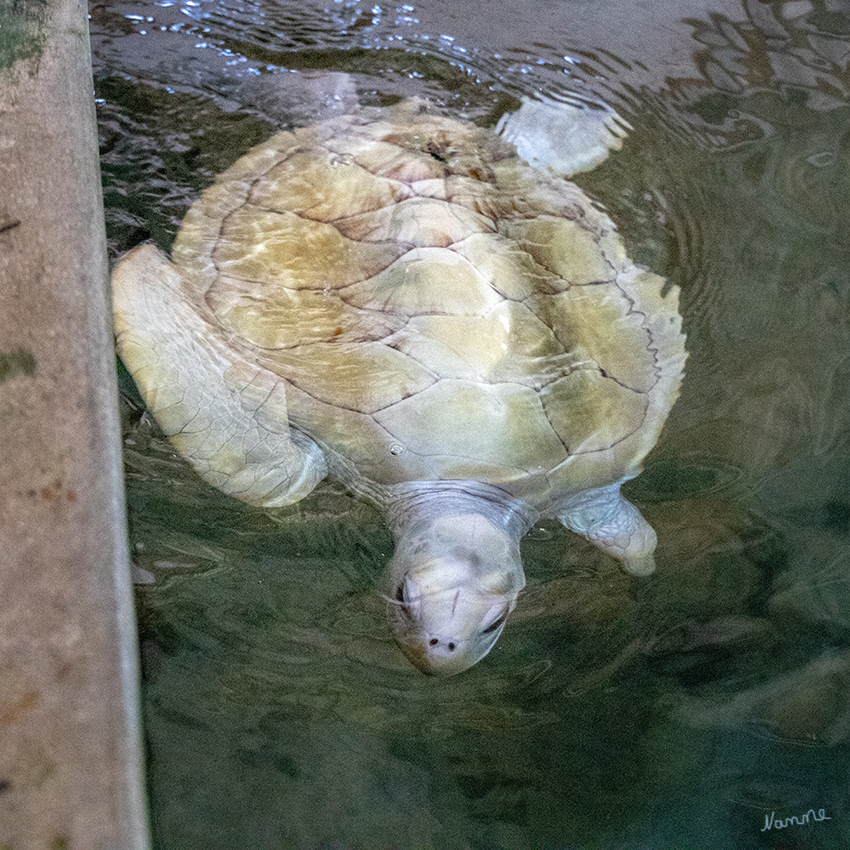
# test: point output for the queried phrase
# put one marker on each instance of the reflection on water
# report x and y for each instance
(675, 711)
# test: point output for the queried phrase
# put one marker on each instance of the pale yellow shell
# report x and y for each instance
(437, 308)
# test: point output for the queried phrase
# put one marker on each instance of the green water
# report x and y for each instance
(673, 712)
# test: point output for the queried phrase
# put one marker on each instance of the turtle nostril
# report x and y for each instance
(451, 644)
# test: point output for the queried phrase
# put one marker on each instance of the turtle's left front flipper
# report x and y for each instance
(613, 524)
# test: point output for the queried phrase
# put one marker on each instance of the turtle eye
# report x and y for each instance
(399, 595)
(497, 622)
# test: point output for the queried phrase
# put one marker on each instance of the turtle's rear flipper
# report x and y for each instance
(567, 137)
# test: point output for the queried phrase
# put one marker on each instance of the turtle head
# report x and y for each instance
(451, 584)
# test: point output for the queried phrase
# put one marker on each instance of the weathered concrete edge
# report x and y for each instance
(135, 827)
(70, 743)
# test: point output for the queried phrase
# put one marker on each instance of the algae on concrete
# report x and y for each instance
(22, 31)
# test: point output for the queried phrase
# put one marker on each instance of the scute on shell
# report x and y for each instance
(437, 308)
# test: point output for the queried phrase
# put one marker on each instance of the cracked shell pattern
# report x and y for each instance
(436, 307)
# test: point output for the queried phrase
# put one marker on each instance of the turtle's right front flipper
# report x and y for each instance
(227, 416)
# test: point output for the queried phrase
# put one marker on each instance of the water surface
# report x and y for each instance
(673, 712)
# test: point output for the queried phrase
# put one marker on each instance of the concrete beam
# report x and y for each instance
(70, 764)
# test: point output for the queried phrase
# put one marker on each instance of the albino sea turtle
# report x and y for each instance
(399, 300)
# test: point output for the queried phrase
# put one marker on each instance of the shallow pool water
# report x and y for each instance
(699, 708)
